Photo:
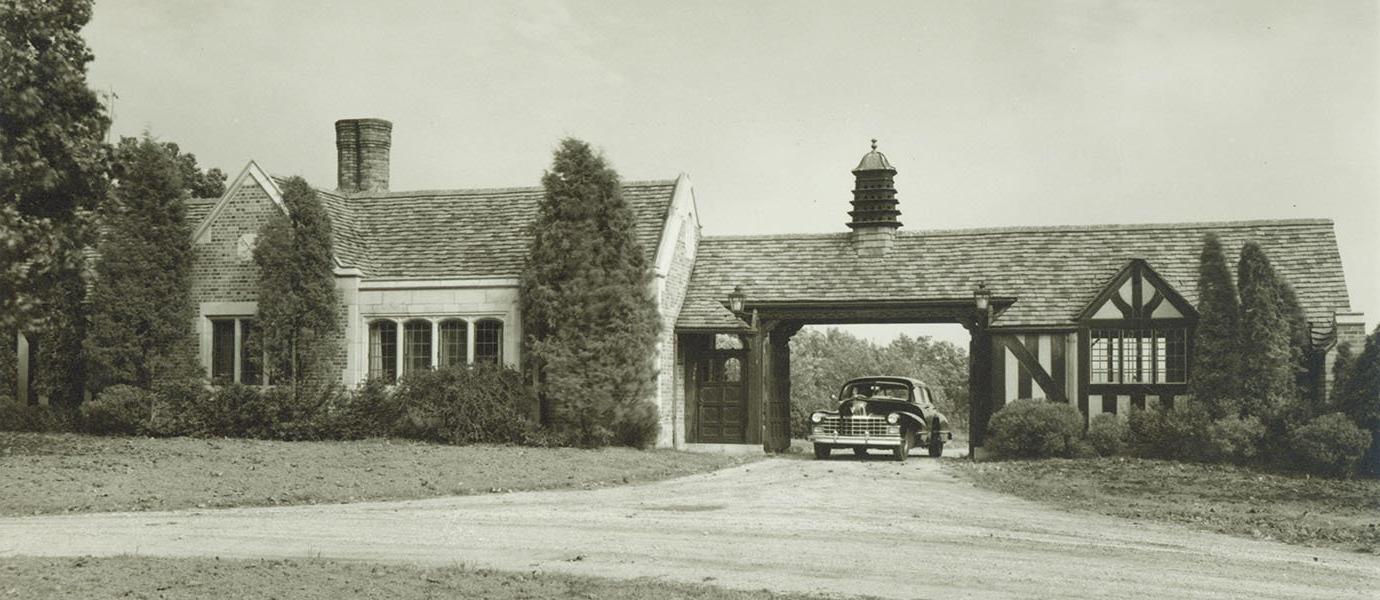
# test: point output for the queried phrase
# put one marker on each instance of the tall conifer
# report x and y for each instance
(1215, 375)
(1267, 355)
(141, 320)
(298, 319)
(588, 312)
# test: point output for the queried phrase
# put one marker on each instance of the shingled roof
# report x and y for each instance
(461, 233)
(1053, 271)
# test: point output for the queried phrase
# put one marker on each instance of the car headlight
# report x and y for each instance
(893, 418)
(815, 418)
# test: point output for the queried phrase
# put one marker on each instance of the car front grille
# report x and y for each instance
(853, 426)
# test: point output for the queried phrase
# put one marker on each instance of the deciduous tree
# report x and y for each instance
(298, 319)
(53, 162)
(588, 313)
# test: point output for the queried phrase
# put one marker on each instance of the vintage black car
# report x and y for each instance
(881, 412)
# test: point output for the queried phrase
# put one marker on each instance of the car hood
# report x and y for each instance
(876, 407)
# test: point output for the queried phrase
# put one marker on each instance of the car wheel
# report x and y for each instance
(822, 451)
(860, 451)
(936, 448)
(903, 450)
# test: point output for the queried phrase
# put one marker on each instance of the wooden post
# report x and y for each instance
(756, 388)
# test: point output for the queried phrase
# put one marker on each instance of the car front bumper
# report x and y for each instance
(881, 441)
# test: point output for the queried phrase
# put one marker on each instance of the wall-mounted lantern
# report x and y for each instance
(736, 300)
(982, 297)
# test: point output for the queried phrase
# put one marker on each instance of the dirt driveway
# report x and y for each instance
(842, 526)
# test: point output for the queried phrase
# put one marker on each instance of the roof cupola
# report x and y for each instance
(874, 215)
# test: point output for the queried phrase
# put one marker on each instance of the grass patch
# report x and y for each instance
(58, 473)
(1294, 509)
(177, 578)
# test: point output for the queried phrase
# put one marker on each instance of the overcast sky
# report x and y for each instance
(995, 113)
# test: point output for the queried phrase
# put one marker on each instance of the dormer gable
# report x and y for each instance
(1137, 292)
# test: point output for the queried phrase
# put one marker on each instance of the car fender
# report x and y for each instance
(913, 420)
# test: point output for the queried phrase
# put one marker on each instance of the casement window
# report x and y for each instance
(416, 345)
(454, 342)
(398, 347)
(488, 341)
(230, 357)
(383, 350)
(1138, 356)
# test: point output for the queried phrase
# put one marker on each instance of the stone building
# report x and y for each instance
(1099, 316)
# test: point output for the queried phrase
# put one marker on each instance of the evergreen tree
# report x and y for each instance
(1357, 395)
(1341, 372)
(141, 322)
(298, 321)
(1300, 349)
(588, 313)
(1267, 355)
(1215, 379)
(52, 160)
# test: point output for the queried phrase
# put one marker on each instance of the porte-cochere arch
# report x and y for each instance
(1101, 317)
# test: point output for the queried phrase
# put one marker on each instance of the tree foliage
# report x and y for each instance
(298, 319)
(142, 312)
(1266, 338)
(821, 361)
(590, 319)
(52, 158)
(1215, 379)
(197, 183)
(1356, 393)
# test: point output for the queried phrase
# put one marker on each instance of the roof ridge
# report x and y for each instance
(485, 191)
(1118, 227)
(1039, 229)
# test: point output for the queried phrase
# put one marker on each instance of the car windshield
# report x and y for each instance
(876, 389)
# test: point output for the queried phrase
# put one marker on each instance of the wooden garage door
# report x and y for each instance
(721, 413)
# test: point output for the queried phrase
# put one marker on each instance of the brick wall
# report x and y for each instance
(218, 272)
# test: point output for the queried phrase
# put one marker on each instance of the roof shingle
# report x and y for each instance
(1053, 271)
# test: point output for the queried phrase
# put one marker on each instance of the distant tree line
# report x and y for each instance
(821, 361)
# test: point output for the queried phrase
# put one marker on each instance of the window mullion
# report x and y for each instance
(239, 345)
(401, 350)
(470, 326)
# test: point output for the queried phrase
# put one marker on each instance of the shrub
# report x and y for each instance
(1329, 445)
(1235, 439)
(1036, 429)
(464, 405)
(1107, 434)
(15, 416)
(636, 425)
(119, 410)
(225, 411)
(367, 412)
(178, 405)
(1180, 433)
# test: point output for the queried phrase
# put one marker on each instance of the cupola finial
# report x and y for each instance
(874, 143)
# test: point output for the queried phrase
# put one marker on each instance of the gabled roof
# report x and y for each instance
(197, 209)
(434, 234)
(461, 233)
(1054, 272)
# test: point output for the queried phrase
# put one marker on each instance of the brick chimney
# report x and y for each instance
(361, 147)
(874, 215)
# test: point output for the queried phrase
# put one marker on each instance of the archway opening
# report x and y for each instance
(825, 356)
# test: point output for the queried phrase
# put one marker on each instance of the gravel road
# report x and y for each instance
(842, 526)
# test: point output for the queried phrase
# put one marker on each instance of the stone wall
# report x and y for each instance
(671, 404)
